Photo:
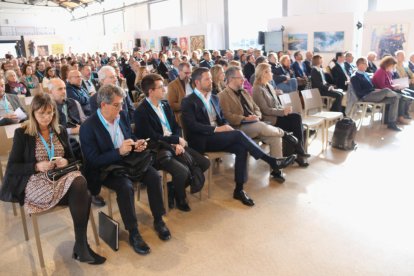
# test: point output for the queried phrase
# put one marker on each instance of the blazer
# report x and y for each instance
(22, 161)
(349, 68)
(148, 125)
(232, 108)
(281, 74)
(299, 69)
(173, 74)
(339, 77)
(163, 70)
(98, 149)
(308, 66)
(75, 113)
(372, 68)
(127, 106)
(248, 70)
(269, 105)
(81, 95)
(196, 123)
(206, 64)
(317, 81)
(361, 85)
(382, 79)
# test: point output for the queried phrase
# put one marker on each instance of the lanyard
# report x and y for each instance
(106, 125)
(208, 107)
(50, 150)
(5, 104)
(164, 120)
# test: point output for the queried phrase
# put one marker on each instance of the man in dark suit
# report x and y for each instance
(308, 62)
(338, 70)
(365, 91)
(248, 69)
(74, 90)
(207, 130)
(371, 68)
(174, 73)
(298, 67)
(88, 83)
(325, 89)
(154, 119)
(105, 139)
(8, 104)
(206, 62)
(350, 68)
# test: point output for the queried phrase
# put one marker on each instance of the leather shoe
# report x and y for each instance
(98, 201)
(394, 126)
(183, 205)
(302, 162)
(305, 155)
(284, 162)
(162, 230)
(243, 197)
(288, 137)
(278, 176)
(138, 244)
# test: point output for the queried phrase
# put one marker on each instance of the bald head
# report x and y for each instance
(57, 90)
(75, 77)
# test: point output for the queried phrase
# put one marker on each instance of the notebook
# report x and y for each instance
(109, 230)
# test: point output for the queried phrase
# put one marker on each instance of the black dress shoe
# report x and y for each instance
(138, 244)
(243, 197)
(302, 162)
(171, 194)
(394, 126)
(183, 205)
(278, 176)
(288, 137)
(162, 230)
(284, 162)
(98, 201)
(84, 254)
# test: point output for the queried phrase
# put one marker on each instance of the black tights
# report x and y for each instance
(79, 201)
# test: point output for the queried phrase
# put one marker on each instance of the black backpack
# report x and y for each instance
(344, 134)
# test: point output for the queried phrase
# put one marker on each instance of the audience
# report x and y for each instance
(338, 71)
(88, 83)
(284, 77)
(299, 70)
(8, 104)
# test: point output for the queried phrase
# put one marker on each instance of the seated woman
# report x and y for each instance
(30, 80)
(218, 76)
(141, 73)
(35, 146)
(383, 79)
(164, 66)
(284, 77)
(272, 110)
(14, 86)
(49, 74)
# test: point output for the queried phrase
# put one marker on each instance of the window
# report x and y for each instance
(387, 5)
(165, 14)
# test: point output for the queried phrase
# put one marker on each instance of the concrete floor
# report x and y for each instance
(349, 213)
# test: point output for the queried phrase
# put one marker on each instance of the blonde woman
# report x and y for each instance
(217, 73)
(272, 110)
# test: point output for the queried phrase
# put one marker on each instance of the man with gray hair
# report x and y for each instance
(106, 139)
(74, 90)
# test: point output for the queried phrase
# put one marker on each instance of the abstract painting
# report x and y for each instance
(387, 39)
(297, 42)
(197, 42)
(328, 41)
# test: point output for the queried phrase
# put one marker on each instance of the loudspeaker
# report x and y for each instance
(165, 41)
(261, 38)
(138, 42)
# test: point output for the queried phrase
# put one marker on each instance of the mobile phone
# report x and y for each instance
(55, 158)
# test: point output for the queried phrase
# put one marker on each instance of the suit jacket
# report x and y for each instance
(308, 66)
(206, 64)
(98, 149)
(94, 82)
(372, 68)
(81, 95)
(339, 77)
(127, 106)
(299, 69)
(361, 85)
(196, 123)
(148, 125)
(281, 75)
(163, 70)
(75, 113)
(248, 70)
(269, 105)
(349, 68)
(175, 95)
(173, 74)
(21, 164)
(317, 81)
(232, 108)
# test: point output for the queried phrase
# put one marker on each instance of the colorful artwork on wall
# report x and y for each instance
(297, 42)
(43, 50)
(387, 39)
(197, 42)
(328, 41)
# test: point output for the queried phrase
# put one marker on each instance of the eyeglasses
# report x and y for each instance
(118, 105)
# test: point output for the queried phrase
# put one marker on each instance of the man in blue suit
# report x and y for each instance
(74, 90)
(207, 131)
(105, 139)
(365, 91)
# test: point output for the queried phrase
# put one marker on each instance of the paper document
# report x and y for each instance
(402, 82)
(20, 114)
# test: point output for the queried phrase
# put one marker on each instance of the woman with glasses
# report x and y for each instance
(49, 74)
(41, 145)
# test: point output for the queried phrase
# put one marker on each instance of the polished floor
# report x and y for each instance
(349, 213)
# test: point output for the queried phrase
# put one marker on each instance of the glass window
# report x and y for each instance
(165, 14)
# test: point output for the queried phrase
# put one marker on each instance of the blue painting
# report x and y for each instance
(328, 41)
(297, 42)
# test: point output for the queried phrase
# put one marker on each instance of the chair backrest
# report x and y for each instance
(351, 99)
(292, 99)
(312, 100)
(6, 138)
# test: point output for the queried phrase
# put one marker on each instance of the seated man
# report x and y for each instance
(372, 68)
(154, 120)
(318, 81)
(207, 130)
(173, 73)
(107, 75)
(8, 104)
(179, 88)
(105, 139)
(74, 90)
(307, 63)
(349, 66)
(339, 75)
(299, 69)
(87, 81)
(248, 69)
(206, 62)
(365, 91)
(242, 113)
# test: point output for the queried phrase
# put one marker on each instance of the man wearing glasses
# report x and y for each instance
(179, 88)
(106, 137)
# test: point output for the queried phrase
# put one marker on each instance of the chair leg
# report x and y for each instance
(164, 191)
(38, 244)
(109, 204)
(95, 232)
(14, 209)
(210, 177)
(24, 223)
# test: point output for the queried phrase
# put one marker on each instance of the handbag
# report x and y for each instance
(57, 173)
(132, 166)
